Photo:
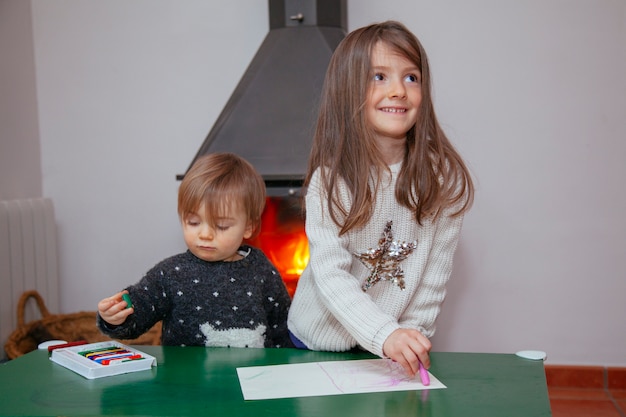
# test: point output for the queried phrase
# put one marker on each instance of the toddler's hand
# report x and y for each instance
(408, 347)
(114, 309)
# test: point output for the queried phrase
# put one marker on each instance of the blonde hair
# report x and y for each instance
(433, 175)
(222, 182)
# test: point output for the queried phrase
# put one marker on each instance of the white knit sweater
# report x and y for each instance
(331, 312)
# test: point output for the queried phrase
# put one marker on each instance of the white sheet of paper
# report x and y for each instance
(327, 378)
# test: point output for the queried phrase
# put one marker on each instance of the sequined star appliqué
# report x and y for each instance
(384, 260)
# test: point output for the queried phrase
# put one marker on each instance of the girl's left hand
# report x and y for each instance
(408, 347)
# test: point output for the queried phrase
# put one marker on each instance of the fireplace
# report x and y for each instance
(282, 238)
(269, 119)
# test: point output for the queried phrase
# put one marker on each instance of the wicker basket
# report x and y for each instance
(69, 327)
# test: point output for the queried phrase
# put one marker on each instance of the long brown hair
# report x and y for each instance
(433, 175)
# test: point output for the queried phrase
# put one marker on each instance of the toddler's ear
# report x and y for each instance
(249, 230)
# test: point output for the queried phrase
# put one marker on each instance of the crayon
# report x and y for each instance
(126, 298)
(116, 355)
(424, 375)
(99, 355)
(120, 360)
(64, 345)
(102, 349)
(96, 353)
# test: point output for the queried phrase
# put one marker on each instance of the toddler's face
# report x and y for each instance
(216, 240)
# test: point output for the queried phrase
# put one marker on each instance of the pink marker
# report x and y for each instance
(424, 375)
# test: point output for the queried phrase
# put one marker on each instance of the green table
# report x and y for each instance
(203, 382)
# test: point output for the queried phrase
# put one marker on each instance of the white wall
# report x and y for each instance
(533, 93)
(20, 162)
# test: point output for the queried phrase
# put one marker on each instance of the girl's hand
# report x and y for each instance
(408, 347)
(114, 309)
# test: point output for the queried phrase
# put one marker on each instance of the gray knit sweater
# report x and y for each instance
(240, 304)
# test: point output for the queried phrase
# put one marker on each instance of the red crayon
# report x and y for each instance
(123, 359)
(64, 345)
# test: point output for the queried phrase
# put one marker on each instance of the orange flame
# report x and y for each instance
(284, 242)
(299, 247)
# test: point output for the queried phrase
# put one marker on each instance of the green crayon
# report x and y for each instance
(126, 298)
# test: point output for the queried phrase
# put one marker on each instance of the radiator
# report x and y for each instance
(28, 260)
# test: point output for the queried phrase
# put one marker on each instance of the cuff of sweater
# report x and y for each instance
(379, 339)
(104, 325)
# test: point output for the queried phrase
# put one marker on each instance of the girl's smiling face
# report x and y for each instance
(216, 240)
(394, 95)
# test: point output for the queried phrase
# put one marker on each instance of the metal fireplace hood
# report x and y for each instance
(270, 117)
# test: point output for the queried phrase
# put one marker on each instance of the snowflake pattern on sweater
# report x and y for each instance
(231, 304)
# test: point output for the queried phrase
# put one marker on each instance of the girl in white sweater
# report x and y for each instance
(386, 195)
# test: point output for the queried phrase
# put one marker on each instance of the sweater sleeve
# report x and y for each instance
(339, 290)
(426, 304)
(148, 304)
